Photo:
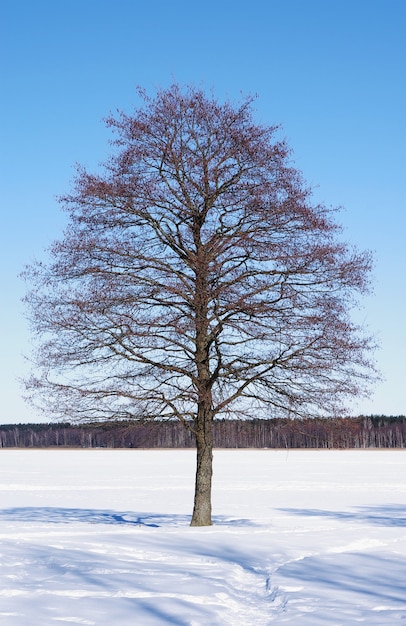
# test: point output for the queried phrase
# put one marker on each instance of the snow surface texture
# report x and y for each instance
(102, 537)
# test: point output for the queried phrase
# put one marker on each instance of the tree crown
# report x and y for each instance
(195, 267)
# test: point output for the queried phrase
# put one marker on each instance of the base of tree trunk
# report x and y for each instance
(204, 472)
(201, 522)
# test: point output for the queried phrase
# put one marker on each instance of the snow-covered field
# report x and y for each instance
(102, 537)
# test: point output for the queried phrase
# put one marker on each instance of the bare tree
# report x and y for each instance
(196, 279)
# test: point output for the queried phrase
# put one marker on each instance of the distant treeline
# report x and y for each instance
(375, 431)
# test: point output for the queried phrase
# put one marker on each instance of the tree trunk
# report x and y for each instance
(204, 468)
(204, 417)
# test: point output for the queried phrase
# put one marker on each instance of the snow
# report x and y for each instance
(300, 537)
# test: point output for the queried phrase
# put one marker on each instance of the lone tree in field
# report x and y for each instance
(196, 279)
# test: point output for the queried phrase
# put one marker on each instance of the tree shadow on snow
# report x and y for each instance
(62, 515)
(386, 515)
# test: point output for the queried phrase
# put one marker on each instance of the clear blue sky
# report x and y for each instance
(331, 72)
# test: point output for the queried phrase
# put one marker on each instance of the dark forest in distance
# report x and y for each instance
(374, 431)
